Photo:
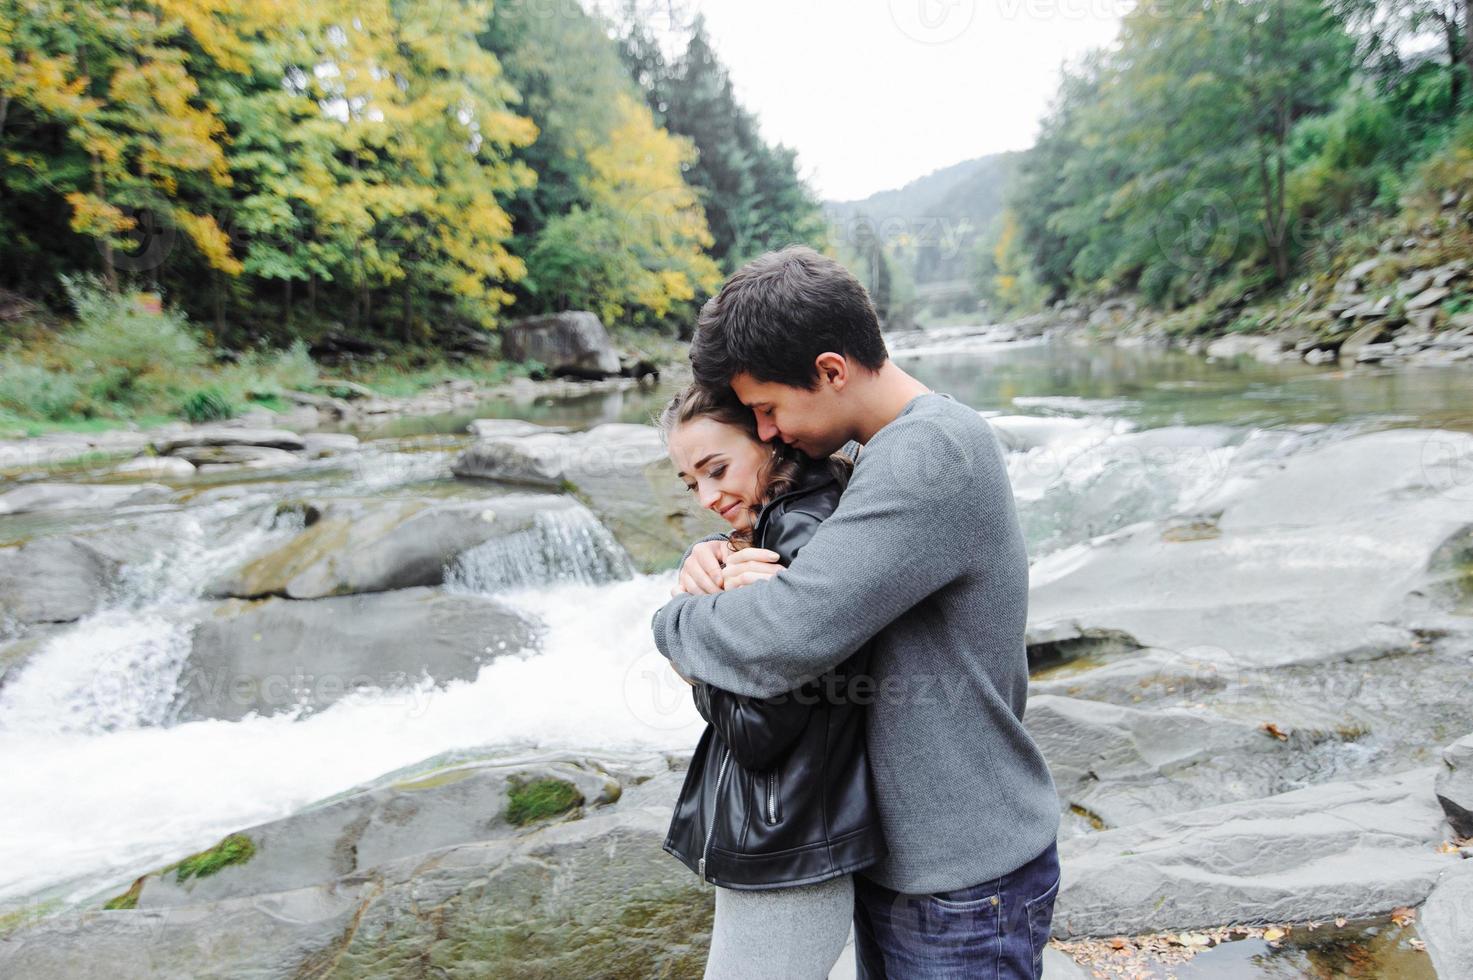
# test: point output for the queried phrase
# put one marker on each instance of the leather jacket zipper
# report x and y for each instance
(711, 830)
(772, 796)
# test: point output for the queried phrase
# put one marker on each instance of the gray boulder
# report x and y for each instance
(1358, 849)
(619, 470)
(366, 828)
(50, 497)
(228, 435)
(1315, 559)
(376, 545)
(596, 896)
(157, 467)
(245, 457)
(1125, 765)
(1445, 923)
(273, 655)
(1455, 785)
(573, 343)
(54, 580)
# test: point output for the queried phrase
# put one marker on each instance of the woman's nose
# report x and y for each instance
(709, 498)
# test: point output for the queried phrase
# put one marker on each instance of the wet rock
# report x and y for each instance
(243, 457)
(375, 545)
(158, 467)
(574, 342)
(498, 428)
(39, 452)
(619, 470)
(1375, 353)
(1415, 283)
(1358, 849)
(1315, 561)
(1368, 334)
(1127, 765)
(53, 580)
(32, 498)
(360, 830)
(225, 435)
(1445, 922)
(273, 655)
(1428, 297)
(317, 444)
(591, 897)
(1455, 786)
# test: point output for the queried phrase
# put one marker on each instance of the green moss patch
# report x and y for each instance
(235, 849)
(540, 799)
(127, 900)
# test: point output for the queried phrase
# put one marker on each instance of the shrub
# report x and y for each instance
(31, 391)
(123, 343)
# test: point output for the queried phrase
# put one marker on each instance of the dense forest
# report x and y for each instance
(399, 173)
(1223, 152)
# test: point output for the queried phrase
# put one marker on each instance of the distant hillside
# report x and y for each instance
(931, 225)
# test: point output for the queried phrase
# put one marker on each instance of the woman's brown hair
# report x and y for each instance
(779, 473)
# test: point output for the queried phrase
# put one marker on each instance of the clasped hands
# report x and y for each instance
(711, 569)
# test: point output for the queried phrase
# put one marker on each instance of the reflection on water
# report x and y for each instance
(638, 404)
(1157, 388)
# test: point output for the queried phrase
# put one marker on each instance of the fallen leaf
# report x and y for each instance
(1275, 731)
(1340, 921)
(1273, 934)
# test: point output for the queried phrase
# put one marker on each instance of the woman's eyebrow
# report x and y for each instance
(701, 462)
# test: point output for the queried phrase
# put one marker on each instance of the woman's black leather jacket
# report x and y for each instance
(779, 791)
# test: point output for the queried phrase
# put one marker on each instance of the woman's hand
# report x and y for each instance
(701, 573)
(748, 566)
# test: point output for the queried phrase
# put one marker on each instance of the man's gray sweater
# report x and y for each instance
(924, 553)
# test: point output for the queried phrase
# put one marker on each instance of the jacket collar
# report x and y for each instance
(815, 475)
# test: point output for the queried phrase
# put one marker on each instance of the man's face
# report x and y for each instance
(810, 421)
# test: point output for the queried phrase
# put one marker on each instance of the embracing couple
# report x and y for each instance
(855, 644)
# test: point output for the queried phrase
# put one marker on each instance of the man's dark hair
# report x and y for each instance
(777, 313)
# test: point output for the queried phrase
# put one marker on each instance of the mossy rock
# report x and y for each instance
(540, 799)
(235, 849)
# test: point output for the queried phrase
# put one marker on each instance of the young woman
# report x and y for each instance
(778, 807)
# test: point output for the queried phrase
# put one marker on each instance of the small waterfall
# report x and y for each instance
(118, 667)
(566, 546)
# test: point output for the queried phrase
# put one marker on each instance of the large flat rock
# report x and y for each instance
(619, 470)
(1308, 560)
(1358, 849)
(272, 655)
(595, 896)
(376, 545)
(1126, 765)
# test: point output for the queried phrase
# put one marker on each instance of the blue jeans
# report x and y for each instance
(994, 929)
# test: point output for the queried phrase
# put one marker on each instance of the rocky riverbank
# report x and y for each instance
(1254, 706)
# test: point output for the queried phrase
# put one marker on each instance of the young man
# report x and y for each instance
(925, 555)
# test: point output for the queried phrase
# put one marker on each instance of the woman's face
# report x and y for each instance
(721, 464)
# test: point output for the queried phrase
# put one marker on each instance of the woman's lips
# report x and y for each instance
(730, 509)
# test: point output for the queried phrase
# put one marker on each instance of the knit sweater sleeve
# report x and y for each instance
(901, 531)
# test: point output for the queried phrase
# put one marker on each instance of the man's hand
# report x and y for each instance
(701, 573)
(748, 566)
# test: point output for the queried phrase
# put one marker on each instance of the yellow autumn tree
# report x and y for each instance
(108, 74)
(638, 248)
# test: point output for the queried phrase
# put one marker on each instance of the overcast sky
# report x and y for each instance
(874, 93)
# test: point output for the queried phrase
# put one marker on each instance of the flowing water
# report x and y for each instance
(98, 786)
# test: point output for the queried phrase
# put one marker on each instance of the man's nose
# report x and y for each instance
(765, 430)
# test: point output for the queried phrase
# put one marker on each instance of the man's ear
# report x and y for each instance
(833, 369)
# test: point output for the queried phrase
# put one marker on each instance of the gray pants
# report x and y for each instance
(780, 933)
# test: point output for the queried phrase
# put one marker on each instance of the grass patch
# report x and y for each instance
(540, 799)
(235, 849)
(127, 900)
